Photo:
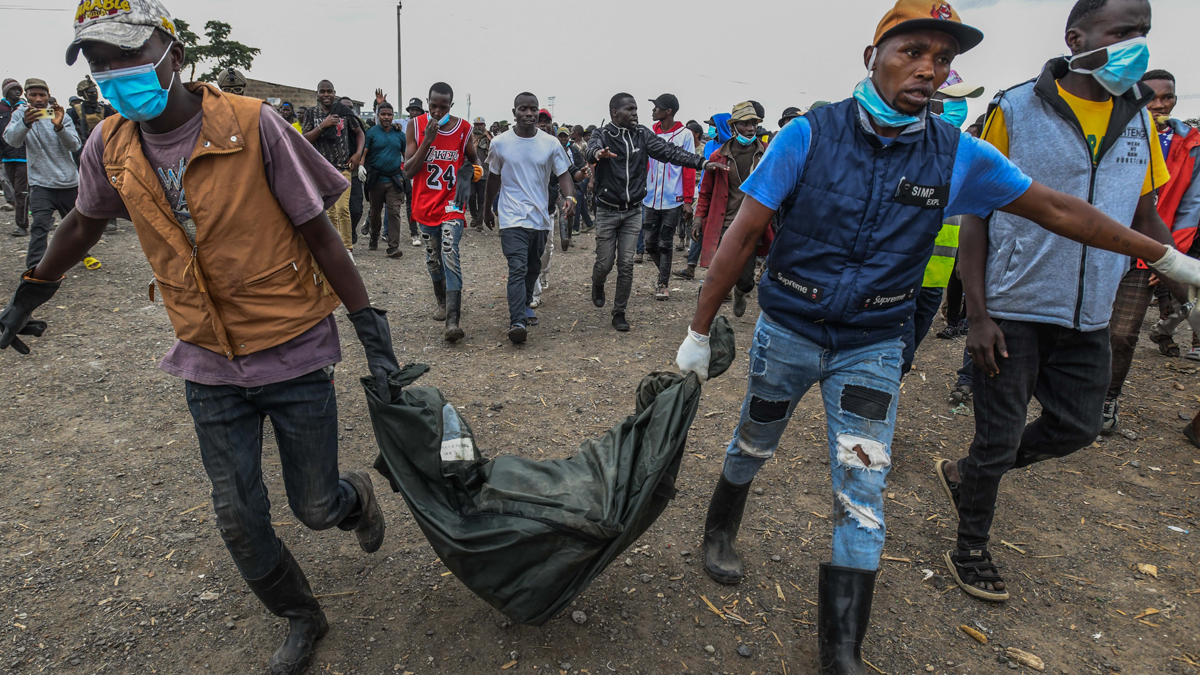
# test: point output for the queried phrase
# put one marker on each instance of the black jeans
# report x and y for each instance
(475, 201)
(523, 248)
(43, 204)
(18, 175)
(659, 226)
(928, 302)
(1068, 371)
(229, 428)
(356, 201)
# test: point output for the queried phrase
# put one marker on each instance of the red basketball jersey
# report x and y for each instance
(433, 188)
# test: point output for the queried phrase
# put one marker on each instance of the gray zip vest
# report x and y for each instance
(1033, 274)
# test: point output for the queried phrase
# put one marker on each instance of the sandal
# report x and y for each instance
(971, 567)
(91, 263)
(948, 486)
(1166, 345)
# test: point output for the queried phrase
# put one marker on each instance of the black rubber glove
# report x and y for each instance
(462, 192)
(15, 319)
(376, 338)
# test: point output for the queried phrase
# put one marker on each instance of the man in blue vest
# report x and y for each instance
(863, 187)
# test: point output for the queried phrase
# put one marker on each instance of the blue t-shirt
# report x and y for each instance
(385, 151)
(983, 179)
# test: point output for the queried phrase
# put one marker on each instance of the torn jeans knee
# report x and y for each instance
(858, 452)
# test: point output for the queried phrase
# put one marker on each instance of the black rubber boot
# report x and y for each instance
(453, 308)
(439, 292)
(844, 597)
(369, 525)
(286, 593)
(721, 530)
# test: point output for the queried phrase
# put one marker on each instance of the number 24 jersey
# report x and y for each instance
(433, 188)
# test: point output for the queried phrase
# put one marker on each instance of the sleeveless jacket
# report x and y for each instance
(1033, 274)
(250, 282)
(851, 251)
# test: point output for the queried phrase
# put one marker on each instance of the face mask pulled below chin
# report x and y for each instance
(745, 140)
(868, 97)
(1127, 63)
(135, 92)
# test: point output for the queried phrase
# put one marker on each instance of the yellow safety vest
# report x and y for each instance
(941, 265)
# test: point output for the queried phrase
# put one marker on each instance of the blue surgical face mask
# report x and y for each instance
(745, 140)
(712, 131)
(135, 92)
(954, 111)
(442, 122)
(1127, 63)
(868, 97)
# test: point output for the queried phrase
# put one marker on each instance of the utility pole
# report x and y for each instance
(550, 100)
(399, 60)
(468, 107)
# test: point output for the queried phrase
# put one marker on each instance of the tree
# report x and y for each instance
(1193, 122)
(220, 51)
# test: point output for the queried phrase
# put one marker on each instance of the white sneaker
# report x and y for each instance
(416, 241)
(1193, 354)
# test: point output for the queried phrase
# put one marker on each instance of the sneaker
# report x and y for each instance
(1193, 354)
(517, 333)
(20, 232)
(961, 394)
(416, 241)
(535, 303)
(597, 294)
(638, 258)
(395, 253)
(1112, 416)
(948, 333)
(620, 323)
(662, 293)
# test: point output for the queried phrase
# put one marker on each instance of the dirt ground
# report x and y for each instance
(111, 561)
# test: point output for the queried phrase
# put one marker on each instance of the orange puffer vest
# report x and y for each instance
(250, 282)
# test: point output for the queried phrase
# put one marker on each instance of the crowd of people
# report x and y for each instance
(1046, 227)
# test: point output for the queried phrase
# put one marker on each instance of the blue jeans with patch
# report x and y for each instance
(229, 429)
(860, 387)
(441, 252)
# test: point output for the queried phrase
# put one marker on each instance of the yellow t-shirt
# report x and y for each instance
(1093, 117)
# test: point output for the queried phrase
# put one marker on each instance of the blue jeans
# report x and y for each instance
(441, 252)
(523, 248)
(928, 302)
(641, 243)
(860, 387)
(229, 428)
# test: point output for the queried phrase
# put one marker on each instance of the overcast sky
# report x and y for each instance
(712, 54)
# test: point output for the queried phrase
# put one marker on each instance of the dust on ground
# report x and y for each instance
(111, 561)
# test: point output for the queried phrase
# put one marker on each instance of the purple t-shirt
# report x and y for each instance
(303, 183)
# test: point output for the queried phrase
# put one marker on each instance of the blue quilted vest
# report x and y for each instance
(850, 254)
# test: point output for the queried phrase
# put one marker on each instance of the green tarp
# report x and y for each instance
(528, 536)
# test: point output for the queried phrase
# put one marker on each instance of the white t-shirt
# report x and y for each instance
(525, 167)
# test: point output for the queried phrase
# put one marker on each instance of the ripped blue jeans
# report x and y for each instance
(441, 252)
(860, 388)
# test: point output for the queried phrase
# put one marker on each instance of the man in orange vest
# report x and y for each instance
(1179, 208)
(229, 206)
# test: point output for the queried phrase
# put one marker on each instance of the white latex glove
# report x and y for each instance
(362, 174)
(694, 355)
(1177, 266)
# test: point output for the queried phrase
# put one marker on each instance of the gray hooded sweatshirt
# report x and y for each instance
(48, 152)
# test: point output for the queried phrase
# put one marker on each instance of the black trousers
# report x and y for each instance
(1068, 371)
(18, 175)
(356, 201)
(659, 227)
(43, 204)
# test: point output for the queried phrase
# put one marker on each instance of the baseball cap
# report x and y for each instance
(126, 24)
(563, 131)
(415, 103)
(666, 102)
(954, 87)
(479, 120)
(545, 112)
(789, 114)
(743, 112)
(911, 15)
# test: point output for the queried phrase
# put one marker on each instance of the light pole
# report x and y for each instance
(400, 65)
(550, 101)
